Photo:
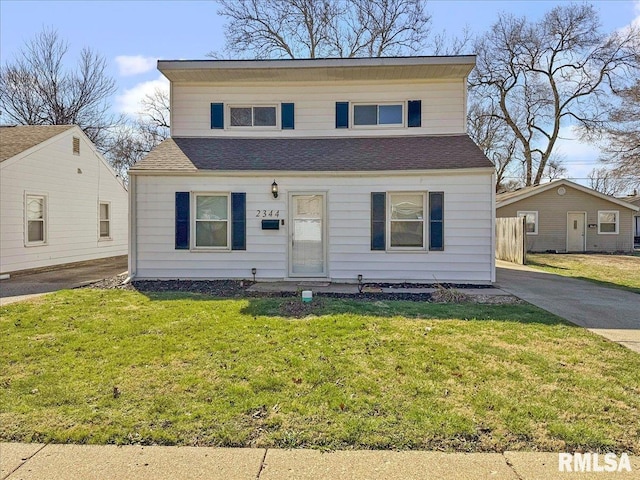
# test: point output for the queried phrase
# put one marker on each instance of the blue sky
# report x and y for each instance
(132, 35)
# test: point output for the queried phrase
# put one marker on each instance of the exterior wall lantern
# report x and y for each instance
(274, 189)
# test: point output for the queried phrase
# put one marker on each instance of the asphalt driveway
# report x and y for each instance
(610, 312)
(22, 286)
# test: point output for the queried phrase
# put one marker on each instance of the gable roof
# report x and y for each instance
(341, 154)
(17, 139)
(508, 198)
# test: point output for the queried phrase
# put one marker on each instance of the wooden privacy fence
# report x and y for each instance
(510, 240)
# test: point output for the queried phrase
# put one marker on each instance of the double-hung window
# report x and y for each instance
(105, 221)
(378, 115)
(532, 221)
(406, 225)
(253, 116)
(211, 220)
(36, 219)
(608, 221)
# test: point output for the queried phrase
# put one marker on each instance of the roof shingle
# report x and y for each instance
(14, 140)
(345, 154)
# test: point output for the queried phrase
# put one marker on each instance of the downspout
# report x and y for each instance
(133, 241)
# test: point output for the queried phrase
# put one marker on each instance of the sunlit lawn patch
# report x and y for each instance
(193, 370)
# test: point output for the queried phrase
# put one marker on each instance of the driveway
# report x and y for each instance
(22, 286)
(612, 313)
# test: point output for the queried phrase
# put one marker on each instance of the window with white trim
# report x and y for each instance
(253, 116)
(532, 221)
(211, 221)
(105, 221)
(608, 221)
(36, 219)
(378, 114)
(405, 224)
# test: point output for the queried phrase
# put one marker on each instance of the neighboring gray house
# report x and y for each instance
(635, 200)
(60, 201)
(316, 169)
(566, 217)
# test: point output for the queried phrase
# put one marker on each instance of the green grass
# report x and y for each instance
(192, 370)
(618, 271)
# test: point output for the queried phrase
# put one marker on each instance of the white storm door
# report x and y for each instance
(307, 246)
(575, 232)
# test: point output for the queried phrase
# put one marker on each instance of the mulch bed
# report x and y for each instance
(447, 293)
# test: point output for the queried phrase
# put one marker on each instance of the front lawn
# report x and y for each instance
(620, 271)
(94, 366)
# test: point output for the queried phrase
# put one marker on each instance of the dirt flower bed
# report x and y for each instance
(445, 293)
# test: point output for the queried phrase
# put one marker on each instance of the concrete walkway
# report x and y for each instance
(91, 462)
(25, 285)
(610, 312)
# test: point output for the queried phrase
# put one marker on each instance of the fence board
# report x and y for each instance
(510, 240)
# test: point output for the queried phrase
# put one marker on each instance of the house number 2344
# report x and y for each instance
(268, 213)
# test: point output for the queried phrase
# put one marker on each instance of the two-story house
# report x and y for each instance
(315, 169)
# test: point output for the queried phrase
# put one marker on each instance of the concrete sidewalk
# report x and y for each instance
(610, 312)
(93, 462)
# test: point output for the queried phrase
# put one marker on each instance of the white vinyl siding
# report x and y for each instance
(608, 222)
(443, 107)
(468, 228)
(72, 199)
(35, 220)
(532, 221)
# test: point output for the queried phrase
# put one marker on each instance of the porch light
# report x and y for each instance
(274, 189)
(360, 285)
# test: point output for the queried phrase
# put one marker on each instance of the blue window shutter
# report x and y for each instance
(217, 115)
(414, 113)
(378, 220)
(182, 220)
(238, 221)
(287, 112)
(342, 114)
(436, 221)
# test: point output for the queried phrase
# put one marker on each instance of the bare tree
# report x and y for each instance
(621, 142)
(608, 182)
(492, 135)
(39, 89)
(542, 75)
(323, 28)
(130, 143)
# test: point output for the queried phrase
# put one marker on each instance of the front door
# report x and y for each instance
(307, 235)
(575, 232)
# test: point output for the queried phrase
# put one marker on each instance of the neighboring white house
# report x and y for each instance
(315, 169)
(60, 202)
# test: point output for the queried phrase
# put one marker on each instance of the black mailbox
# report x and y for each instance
(270, 224)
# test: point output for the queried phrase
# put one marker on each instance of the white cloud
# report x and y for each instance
(129, 65)
(129, 102)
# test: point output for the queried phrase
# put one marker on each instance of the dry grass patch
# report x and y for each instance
(620, 271)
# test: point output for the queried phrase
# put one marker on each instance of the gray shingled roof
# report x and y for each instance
(314, 154)
(14, 140)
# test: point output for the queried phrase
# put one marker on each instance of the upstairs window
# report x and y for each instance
(253, 116)
(382, 114)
